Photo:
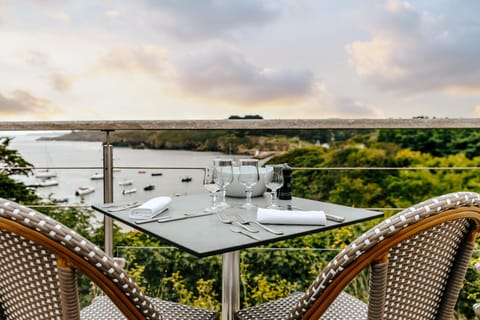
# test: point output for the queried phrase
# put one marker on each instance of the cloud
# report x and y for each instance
(324, 103)
(412, 51)
(21, 102)
(210, 18)
(348, 107)
(131, 59)
(35, 58)
(476, 111)
(2, 4)
(112, 13)
(226, 76)
(59, 16)
(61, 81)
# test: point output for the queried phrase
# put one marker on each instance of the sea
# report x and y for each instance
(75, 162)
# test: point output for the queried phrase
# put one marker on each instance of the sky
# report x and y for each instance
(210, 59)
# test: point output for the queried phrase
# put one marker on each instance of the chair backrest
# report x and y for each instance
(418, 259)
(39, 258)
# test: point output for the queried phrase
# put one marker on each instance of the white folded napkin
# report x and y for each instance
(150, 208)
(274, 216)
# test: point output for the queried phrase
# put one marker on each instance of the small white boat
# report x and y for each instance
(44, 174)
(48, 183)
(97, 176)
(84, 190)
(128, 191)
(125, 183)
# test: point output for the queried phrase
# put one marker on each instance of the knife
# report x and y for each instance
(122, 207)
(331, 217)
(185, 216)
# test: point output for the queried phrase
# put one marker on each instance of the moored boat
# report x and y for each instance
(48, 183)
(125, 183)
(44, 174)
(150, 187)
(128, 191)
(82, 190)
(156, 174)
(97, 176)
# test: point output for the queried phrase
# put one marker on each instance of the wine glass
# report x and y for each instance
(248, 177)
(209, 183)
(224, 168)
(274, 181)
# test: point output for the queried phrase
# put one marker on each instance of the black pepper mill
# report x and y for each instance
(285, 192)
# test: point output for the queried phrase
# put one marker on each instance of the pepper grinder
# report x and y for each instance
(285, 192)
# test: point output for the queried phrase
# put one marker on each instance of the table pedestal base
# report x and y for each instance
(230, 284)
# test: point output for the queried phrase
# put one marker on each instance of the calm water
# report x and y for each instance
(90, 154)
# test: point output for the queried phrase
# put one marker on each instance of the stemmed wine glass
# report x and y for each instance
(274, 181)
(224, 177)
(248, 177)
(210, 183)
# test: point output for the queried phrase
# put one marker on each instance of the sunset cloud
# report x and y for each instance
(22, 102)
(61, 81)
(413, 51)
(36, 57)
(112, 13)
(476, 111)
(209, 59)
(348, 107)
(197, 20)
(131, 59)
(227, 76)
(59, 16)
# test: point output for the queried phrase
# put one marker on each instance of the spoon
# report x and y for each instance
(237, 229)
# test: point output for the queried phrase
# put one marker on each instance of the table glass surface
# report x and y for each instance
(207, 235)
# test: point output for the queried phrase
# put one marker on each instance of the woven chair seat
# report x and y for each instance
(102, 308)
(417, 259)
(344, 307)
(40, 258)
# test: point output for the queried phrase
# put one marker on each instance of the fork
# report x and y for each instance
(224, 219)
(243, 221)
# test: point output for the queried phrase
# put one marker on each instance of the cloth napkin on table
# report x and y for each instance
(150, 208)
(274, 216)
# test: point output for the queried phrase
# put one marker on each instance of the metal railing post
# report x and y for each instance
(108, 191)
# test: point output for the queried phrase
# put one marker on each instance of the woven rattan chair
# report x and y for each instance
(418, 259)
(39, 258)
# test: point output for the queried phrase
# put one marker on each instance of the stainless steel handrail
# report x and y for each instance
(264, 124)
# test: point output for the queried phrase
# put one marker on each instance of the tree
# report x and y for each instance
(11, 162)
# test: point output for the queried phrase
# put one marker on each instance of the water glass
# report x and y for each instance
(248, 177)
(274, 181)
(210, 183)
(224, 168)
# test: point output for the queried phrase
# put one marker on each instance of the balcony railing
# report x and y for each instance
(107, 127)
(305, 124)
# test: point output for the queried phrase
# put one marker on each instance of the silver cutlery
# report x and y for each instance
(185, 216)
(123, 207)
(227, 220)
(242, 220)
(236, 228)
(330, 217)
(116, 205)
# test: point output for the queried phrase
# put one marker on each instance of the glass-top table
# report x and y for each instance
(206, 235)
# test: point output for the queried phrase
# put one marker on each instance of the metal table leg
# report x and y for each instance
(230, 284)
